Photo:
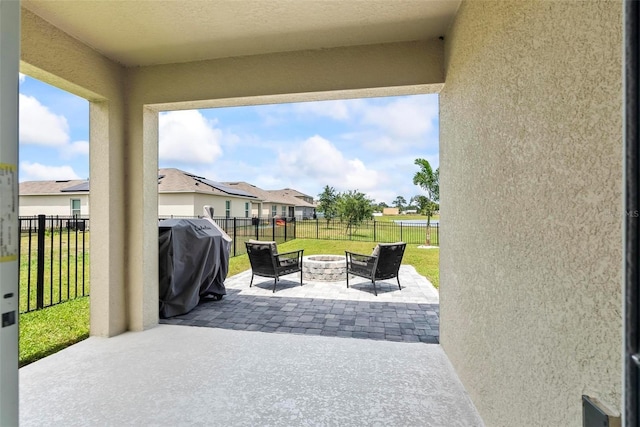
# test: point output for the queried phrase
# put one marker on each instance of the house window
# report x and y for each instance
(284, 212)
(274, 210)
(227, 208)
(246, 209)
(75, 207)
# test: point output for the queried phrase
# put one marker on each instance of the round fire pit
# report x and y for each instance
(324, 268)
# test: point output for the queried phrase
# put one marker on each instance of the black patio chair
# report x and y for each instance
(383, 263)
(267, 262)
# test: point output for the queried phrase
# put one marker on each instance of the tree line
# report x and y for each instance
(353, 207)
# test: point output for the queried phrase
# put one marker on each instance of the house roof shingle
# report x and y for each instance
(170, 180)
(291, 195)
(295, 193)
(265, 195)
(281, 197)
(29, 188)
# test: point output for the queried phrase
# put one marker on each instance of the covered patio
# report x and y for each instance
(531, 149)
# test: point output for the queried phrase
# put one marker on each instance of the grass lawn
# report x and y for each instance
(66, 266)
(369, 231)
(391, 218)
(47, 331)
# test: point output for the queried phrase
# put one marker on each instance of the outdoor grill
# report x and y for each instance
(193, 264)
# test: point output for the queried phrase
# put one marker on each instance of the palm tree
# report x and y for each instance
(429, 181)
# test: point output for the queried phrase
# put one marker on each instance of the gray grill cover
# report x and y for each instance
(194, 262)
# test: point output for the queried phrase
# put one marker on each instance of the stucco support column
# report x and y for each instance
(9, 231)
(54, 57)
(108, 219)
(141, 202)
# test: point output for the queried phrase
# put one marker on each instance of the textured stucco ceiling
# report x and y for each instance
(159, 32)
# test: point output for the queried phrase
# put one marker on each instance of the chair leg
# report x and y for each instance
(400, 287)
(251, 283)
(300, 277)
(274, 284)
(374, 287)
(347, 280)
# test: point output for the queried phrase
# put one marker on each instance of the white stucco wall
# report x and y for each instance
(176, 204)
(531, 208)
(268, 213)
(219, 206)
(52, 205)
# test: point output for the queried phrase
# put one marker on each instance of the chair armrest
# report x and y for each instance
(359, 258)
(289, 258)
(298, 253)
(289, 261)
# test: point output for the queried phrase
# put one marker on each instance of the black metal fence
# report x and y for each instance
(54, 250)
(242, 229)
(54, 260)
(285, 229)
(413, 232)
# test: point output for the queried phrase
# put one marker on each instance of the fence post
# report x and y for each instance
(29, 263)
(258, 229)
(374, 231)
(285, 229)
(273, 228)
(84, 229)
(317, 229)
(401, 231)
(40, 267)
(235, 234)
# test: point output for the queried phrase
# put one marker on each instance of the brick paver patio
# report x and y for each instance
(325, 308)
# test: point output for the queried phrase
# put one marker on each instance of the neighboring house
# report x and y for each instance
(183, 194)
(179, 194)
(391, 211)
(62, 198)
(272, 205)
(305, 207)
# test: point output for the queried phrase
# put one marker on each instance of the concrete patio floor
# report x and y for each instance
(177, 375)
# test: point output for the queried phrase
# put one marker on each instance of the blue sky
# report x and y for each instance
(362, 144)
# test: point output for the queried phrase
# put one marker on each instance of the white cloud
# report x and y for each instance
(404, 118)
(337, 110)
(76, 148)
(319, 160)
(38, 172)
(80, 147)
(40, 126)
(389, 125)
(21, 77)
(188, 137)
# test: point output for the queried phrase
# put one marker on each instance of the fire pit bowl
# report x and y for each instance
(324, 268)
